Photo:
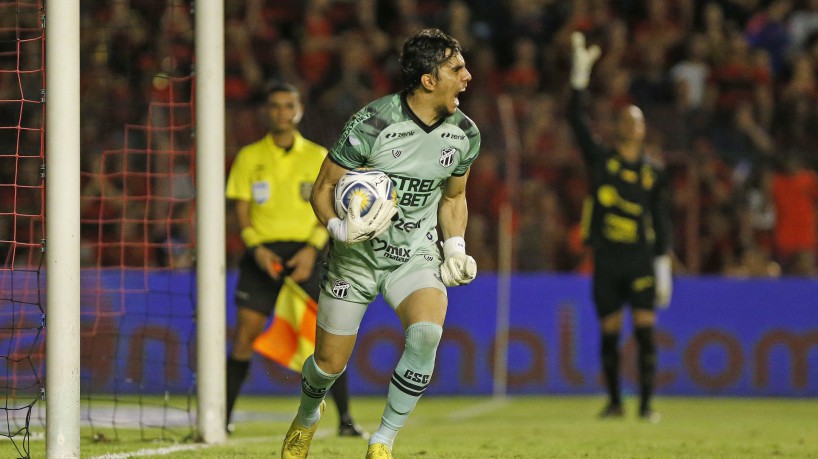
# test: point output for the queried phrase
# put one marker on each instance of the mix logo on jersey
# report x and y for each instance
(399, 254)
(340, 289)
(447, 156)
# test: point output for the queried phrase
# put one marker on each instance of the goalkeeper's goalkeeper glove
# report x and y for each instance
(664, 280)
(582, 61)
(457, 268)
(358, 228)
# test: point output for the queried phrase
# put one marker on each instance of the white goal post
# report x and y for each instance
(62, 229)
(210, 222)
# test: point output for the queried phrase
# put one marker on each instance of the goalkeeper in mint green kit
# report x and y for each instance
(426, 145)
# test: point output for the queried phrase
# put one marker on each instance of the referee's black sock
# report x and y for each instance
(340, 393)
(610, 366)
(236, 373)
(647, 365)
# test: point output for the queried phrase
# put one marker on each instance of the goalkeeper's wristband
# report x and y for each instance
(250, 237)
(453, 245)
(337, 229)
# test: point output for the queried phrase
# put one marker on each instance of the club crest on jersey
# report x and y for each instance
(340, 289)
(396, 153)
(306, 190)
(447, 156)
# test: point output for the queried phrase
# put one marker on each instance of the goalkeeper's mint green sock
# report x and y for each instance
(409, 380)
(314, 386)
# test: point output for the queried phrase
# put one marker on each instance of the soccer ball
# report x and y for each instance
(369, 184)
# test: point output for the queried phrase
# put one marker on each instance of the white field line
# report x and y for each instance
(166, 450)
(468, 412)
(478, 409)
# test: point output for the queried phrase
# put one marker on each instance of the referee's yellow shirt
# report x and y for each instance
(277, 184)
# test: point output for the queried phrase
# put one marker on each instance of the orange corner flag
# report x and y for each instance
(290, 338)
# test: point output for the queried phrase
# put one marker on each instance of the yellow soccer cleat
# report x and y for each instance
(378, 451)
(297, 441)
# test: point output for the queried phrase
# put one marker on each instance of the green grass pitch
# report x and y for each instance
(516, 427)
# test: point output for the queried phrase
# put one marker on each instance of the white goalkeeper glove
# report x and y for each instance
(582, 61)
(664, 280)
(358, 228)
(457, 268)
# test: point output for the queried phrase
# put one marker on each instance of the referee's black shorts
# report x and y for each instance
(258, 291)
(623, 276)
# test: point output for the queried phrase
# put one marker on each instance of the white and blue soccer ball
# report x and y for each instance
(369, 184)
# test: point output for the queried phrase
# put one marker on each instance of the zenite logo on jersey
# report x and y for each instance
(449, 135)
(399, 135)
(340, 289)
(447, 156)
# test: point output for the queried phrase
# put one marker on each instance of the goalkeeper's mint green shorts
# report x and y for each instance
(349, 287)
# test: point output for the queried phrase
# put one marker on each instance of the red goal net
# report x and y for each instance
(138, 306)
(137, 285)
(22, 199)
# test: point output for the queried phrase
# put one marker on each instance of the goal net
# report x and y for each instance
(137, 207)
(137, 303)
(22, 197)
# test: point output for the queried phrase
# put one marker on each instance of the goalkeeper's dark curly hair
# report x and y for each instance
(423, 53)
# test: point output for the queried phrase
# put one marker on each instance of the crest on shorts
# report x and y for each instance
(306, 190)
(447, 156)
(340, 289)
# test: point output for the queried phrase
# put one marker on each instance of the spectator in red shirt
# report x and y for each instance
(795, 195)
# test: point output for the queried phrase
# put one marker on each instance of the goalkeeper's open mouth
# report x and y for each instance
(457, 96)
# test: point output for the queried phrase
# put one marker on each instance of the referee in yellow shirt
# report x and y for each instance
(270, 182)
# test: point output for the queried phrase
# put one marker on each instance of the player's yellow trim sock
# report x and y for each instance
(314, 386)
(410, 379)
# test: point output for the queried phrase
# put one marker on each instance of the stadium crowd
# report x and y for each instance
(729, 90)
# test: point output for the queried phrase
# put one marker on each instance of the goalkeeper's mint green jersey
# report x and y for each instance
(386, 135)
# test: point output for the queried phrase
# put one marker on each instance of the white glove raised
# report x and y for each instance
(664, 280)
(358, 228)
(582, 61)
(457, 268)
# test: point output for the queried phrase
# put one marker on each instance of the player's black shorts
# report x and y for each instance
(623, 276)
(258, 291)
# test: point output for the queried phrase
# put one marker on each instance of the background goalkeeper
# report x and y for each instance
(626, 222)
